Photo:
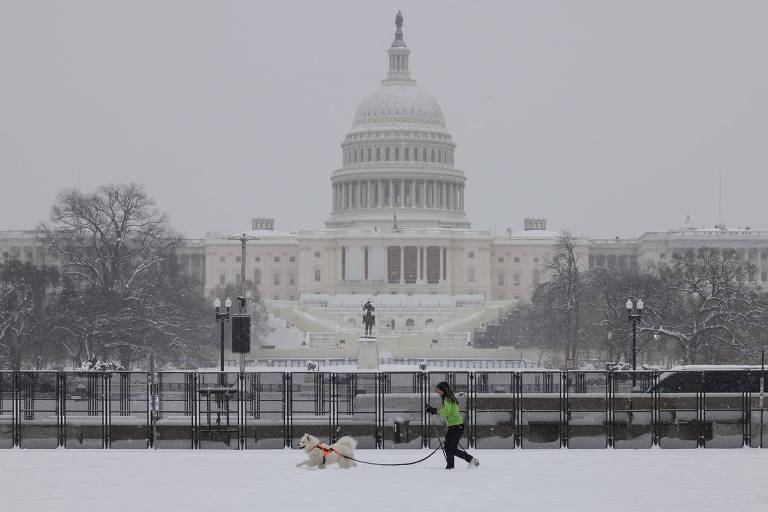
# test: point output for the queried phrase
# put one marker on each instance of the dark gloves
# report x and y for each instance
(431, 410)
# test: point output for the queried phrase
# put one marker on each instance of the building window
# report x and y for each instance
(424, 154)
(763, 275)
(501, 280)
(516, 279)
(369, 154)
(407, 154)
(432, 155)
(257, 277)
(433, 265)
(317, 254)
(386, 154)
(764, 254)
(276, 279)
(292, 259)
(536, 260)
(277, 259)
(291, 279)
(415, 154)
(535, 279)
(317, 274)
(517, 259)
(222, 279)
(397, 154)
(378, 154)
(393, 264)
(471, 275)
(471, 254)
(237, 259)
(410, 264)
(501, 259)
(222, 258)
(257, 259)
(275, 297)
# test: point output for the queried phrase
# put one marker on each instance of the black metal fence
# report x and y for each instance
(502, 409)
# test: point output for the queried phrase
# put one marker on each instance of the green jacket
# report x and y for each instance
(451, 412)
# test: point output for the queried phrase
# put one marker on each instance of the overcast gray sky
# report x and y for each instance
(606, 117)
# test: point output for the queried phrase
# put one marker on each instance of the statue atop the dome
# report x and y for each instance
(399, 20)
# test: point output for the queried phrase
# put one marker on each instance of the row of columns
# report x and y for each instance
(422, 264)
(352, 195)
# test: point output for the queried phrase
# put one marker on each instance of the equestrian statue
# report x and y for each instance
(369, 319)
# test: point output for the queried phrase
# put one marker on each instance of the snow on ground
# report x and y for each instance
(518, 480)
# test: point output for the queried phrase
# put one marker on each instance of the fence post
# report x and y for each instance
(472, 410)
(610, 409)
(564, 407)
(16, 408)
(288, 407)
(61, 407)
(106, 411)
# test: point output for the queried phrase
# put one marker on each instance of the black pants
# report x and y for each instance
(451, 445)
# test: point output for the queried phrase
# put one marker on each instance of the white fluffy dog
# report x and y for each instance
(321, 455)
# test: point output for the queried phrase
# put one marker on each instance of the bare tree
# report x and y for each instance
(565, 287)
(608, 291)
(711, 308)
(25, 313)
(116, 248)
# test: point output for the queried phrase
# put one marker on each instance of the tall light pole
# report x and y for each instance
(221, 317)
(634, 315)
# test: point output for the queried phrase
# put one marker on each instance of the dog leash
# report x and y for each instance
(434, 428)
(392, 463)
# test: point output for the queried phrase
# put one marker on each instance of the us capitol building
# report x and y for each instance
(397, 233)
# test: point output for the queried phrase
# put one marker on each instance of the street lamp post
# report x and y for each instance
(221, 317)
(243, 239)
(634, 315)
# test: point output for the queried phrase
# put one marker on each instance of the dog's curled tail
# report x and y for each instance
(347, 442)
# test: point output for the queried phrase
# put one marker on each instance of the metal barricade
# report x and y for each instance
(218, 396)
(403, 420)
(632, 409)
(542, 406)
(84, 416)
(7, 409)
(496, 406)
(128, 406)
(264, 419)
(176, 418)
(309, 406)
(461, 384)
(38, 420)
(588, 414)
(358, 407)
(501, 409)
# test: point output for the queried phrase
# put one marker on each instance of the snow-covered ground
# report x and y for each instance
(518, 480)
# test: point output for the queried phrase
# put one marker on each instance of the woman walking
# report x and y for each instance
(455, 423)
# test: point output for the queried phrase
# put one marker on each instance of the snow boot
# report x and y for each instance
(473, 463)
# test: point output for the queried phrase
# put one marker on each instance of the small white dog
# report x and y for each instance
(321, 455)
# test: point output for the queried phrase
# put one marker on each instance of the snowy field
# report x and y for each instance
(514, 480)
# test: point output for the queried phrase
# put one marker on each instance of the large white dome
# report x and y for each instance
(398, 103)
(398, 158)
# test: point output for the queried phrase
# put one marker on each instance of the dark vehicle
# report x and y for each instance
(709, 379)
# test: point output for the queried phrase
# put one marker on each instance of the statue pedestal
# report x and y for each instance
(367, 353)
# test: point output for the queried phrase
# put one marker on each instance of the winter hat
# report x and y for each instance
(443, 386)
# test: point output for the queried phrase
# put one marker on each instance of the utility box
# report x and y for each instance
(241, 334)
